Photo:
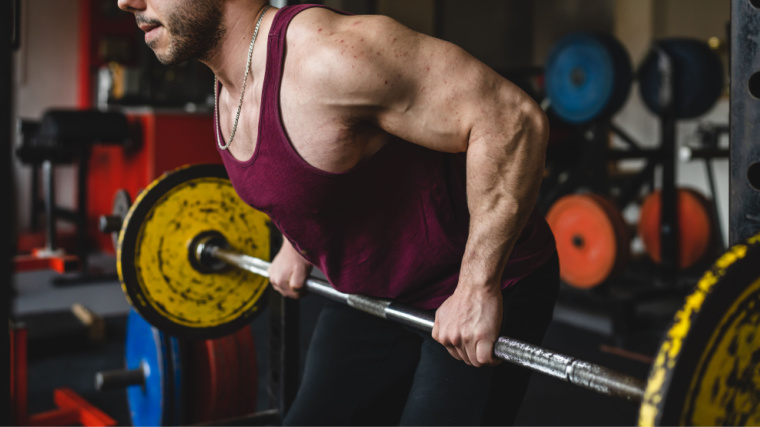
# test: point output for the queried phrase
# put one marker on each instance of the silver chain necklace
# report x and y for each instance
(245, 78)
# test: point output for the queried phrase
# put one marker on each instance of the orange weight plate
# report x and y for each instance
(592, 239)
(695, 229)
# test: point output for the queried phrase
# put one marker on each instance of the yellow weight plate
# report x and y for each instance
(726, 389)
(154, 263)
(707, 370)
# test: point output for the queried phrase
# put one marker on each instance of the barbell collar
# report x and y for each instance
(583, 374)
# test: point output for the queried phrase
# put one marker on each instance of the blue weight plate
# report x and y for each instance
(587, 76)
(144, 347)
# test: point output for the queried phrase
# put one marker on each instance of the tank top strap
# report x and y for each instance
(287, 13)
(276, 45)
(270, 120)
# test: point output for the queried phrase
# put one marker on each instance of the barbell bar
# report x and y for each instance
(212, 246)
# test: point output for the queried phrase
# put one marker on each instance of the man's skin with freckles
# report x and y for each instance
(350, 84)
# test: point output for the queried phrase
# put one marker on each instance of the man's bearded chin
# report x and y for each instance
(194, 34)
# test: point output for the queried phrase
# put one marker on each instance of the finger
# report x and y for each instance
(472, 356)
(282, 291)
(293, 293)
(275, 282)
(484, 353)
(296, 284)
(281, 286)
(453, 352)
(297, 279)
(463, 356)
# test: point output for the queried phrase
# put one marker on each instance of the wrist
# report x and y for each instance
(288, 250)
(472, 285)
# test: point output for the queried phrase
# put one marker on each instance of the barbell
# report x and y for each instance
(191, 259)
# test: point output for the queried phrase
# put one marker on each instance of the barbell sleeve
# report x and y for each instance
(583, 374)
(109, 223)
(120, 378)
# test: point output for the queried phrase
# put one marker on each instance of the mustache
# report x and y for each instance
(140, 19)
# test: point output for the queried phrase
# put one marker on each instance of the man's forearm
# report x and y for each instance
(503, 179)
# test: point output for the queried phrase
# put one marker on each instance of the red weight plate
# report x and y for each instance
(233, 368)
(248, 372)
(226, 359)
(203, 380)
(695, 226)
(592, 239)
(211, 379)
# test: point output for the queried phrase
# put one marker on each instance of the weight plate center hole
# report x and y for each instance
(577, 77)
(578, 241)
(199, 251)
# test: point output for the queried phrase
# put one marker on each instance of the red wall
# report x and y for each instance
(166, 141)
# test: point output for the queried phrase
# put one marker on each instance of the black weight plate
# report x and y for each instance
(697, 77)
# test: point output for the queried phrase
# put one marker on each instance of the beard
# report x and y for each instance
(195, 31)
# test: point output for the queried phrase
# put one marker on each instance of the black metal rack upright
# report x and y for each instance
(744, 179)
(9, 12)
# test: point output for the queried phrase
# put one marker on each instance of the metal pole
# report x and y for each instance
(578, 372)
(9, 19)
(744, 179)
(49, 183)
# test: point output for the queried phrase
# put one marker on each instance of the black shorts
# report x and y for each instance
(362, 370)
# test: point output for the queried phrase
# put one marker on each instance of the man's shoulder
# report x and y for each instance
(312, 23)
(323, 44)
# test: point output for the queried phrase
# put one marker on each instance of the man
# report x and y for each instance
(403, 168)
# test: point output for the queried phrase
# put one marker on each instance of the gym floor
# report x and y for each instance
(548, 401)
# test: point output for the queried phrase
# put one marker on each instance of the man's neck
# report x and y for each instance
(229, 61)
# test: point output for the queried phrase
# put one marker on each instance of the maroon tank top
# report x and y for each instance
(394, 226)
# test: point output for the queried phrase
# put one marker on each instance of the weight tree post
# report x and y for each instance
(284, 339)
(744, 178)
(283, 351)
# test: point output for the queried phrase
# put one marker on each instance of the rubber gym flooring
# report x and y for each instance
(548, 401)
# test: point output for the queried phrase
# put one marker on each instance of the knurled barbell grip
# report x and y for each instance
(581, 373)
(578, 372)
